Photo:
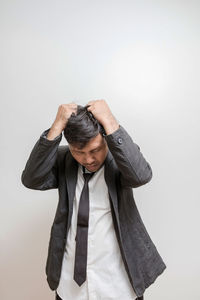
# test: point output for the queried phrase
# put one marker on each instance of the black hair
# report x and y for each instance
(81, 127)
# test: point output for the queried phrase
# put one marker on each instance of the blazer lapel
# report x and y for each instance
(111, 183)
(71, 168)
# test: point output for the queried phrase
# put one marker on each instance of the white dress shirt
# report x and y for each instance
(106, 275)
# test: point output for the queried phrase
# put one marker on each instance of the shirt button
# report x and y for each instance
(119, 141)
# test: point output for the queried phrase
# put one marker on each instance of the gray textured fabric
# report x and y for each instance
(51, 166)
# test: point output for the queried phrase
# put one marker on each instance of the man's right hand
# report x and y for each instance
(63, 114)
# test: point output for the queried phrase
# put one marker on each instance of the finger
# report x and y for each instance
(75, 110)
(90, 108)
(72, 105)
(91, 102)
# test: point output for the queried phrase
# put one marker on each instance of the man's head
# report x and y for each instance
(84, 135)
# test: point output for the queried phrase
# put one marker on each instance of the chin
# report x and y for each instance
(92, 168)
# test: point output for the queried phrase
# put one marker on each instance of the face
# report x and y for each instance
(92, 155)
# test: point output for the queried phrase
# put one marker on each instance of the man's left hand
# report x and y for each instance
(103, 114)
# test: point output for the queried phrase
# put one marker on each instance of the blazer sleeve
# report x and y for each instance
(133, 167)
(40, 172)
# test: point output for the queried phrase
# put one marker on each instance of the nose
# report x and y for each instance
(89, 159)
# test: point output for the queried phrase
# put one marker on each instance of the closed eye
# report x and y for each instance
(96, 150)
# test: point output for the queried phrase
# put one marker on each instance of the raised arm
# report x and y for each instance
(134, 169)
(40, 172)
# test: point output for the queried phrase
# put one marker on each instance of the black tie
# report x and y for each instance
(80, 264)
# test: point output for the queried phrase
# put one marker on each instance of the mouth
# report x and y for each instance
(91, 166)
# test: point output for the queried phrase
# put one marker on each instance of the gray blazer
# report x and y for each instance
(52, 166)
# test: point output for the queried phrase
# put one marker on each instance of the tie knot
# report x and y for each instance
(87, 176)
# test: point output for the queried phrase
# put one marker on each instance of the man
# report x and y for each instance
(99, 247)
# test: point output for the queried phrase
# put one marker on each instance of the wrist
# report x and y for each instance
(55, 130)
(110, 125)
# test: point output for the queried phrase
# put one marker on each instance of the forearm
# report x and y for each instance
(55, 130)
(135, 170)
(110, 125)
(40, 169)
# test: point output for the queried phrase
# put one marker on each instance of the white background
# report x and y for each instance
(142, 57)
